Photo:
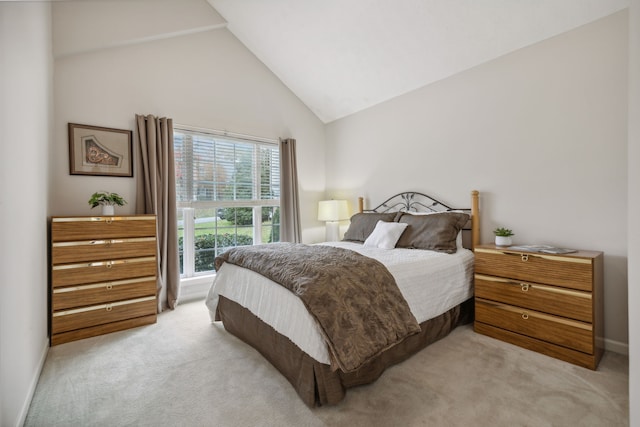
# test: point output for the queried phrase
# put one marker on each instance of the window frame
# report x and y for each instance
(188, 208)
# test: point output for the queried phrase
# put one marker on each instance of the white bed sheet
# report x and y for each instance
(431, 282)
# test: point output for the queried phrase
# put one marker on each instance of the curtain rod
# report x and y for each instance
(226, 133)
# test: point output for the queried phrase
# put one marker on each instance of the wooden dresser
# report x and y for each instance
(552, 304)
(103, 275)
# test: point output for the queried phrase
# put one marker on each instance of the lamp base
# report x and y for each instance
(333, 231)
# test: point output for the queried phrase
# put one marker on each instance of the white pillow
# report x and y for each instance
(386, 234)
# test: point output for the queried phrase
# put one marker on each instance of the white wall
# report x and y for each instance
(541, 133)
(206, 79)
(25, 129)
(634, 212)
(86, 26)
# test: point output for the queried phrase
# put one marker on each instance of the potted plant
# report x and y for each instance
(503, 236)
(107, 200)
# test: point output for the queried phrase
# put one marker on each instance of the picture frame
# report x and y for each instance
(100, 151)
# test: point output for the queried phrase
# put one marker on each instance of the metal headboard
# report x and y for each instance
(412, 201)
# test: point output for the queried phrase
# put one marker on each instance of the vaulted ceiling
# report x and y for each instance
(342, 56)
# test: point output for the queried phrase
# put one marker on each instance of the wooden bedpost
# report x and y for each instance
(475, 219)
(360, 204)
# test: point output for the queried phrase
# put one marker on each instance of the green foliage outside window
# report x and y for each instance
(241, 216)
(206, 245)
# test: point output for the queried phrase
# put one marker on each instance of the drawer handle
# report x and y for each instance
(524, 287)
(109, 286)
(525, 316)
(109, 265)
(525, 257)
(109, 221)
(108, 307)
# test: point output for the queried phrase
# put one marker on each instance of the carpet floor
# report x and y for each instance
(186, 371)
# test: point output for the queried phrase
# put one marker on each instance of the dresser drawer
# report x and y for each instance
(64, 229)
(100, 293)
(566, 271)
(69, 320)
(548, 299)
(553, 329)
(102, 271)
(96, 250)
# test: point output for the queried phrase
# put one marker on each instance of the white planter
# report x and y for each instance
(503, 241)
(108, 210)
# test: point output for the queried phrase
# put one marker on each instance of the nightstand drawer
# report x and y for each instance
(64, 298)
(101, 249)
(548, 299)
(69, 320)
(95, 272)
(566, 271)
(64, 229)
(553, 329)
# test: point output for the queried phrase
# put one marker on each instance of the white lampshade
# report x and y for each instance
(333, 210)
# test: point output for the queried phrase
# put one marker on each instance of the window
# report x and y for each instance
(227, 193)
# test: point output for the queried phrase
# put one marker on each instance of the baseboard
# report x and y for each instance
(195, 288)
(34, 382)
(616, 346)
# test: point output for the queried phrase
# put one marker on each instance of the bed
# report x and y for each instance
(318, 356)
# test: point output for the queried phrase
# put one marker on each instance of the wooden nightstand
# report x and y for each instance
(552, 304)
(103, 275)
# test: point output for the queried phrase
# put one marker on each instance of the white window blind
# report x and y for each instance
(228, 194)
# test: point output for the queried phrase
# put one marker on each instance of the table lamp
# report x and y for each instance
(333, 211)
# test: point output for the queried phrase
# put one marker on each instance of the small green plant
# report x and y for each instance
(503, 232)
(106, 198)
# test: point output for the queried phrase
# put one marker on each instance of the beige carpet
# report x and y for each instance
(185, 371)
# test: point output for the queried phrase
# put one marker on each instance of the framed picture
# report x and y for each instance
(101, 151)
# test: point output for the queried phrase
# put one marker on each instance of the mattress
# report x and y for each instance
(431, 282)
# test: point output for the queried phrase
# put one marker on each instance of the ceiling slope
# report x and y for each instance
(340, 57)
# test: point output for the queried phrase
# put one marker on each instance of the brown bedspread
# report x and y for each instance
(354, 299)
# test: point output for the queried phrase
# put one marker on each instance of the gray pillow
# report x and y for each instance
(363, 224)
(436, 232)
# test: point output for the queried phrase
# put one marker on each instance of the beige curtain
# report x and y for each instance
(289, 202)
(156, 194)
